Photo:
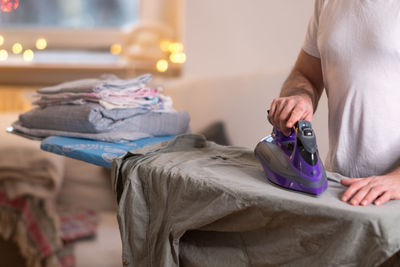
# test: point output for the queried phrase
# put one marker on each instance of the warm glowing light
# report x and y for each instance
(41, 43)
(175, 47)
(164, 45)
(1, 40)
(162, 65)
(16, 48)
(179, 57)
(28, 55)
(3, 55)
(9, 5)
(116, 49)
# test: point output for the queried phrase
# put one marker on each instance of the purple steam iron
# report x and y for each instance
(293, 161)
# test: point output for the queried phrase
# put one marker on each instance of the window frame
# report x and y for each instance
(63, 38)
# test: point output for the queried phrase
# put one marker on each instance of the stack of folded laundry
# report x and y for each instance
(106, 109)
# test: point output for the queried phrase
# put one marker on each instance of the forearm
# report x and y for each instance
(305, 79)
(298, 84)
(299, 94)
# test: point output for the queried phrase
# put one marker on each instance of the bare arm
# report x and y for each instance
(305, 78)
(299, 95)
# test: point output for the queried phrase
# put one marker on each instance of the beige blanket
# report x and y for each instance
(24, 168)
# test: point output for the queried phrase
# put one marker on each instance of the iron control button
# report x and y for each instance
(308, 132)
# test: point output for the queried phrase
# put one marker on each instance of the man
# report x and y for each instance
(352, 49)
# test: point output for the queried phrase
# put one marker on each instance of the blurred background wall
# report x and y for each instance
(240, 36)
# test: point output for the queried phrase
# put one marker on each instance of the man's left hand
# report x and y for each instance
(374, 189)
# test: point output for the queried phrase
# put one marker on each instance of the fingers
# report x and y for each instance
(298, 113)
(383, 198)
(286, 111)
(366, 195)
(364, 191)
(272, 110)
(372, 195)
(353, 189)
(278, 114)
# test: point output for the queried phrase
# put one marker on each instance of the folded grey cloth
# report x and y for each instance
(91, 85)
(39, 134)
(191, 202)
(109, 126)
(77, 86)
(85, 118)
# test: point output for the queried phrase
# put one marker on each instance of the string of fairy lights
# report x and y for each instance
(18, 49)
(172, 53)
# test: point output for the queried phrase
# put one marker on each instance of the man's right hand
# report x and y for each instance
(286, 111)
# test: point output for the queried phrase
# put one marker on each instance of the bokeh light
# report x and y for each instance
(179, 57)
(3, 55)
(28, 55)
(162, 65)
(164, 45)
(116, 49)
(16, 48)
(1, 40)
(41, 43)
(175, 47)
(9, 5)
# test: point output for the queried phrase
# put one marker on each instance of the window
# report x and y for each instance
(68, 24)
(86, 37)
(71, 13)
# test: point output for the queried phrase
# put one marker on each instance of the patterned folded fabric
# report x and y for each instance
(31, 223)
(77, 222)
(95, 85)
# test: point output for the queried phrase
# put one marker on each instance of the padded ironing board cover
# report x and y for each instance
(92, 151)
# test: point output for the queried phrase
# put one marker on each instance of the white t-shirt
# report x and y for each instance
(358, 42)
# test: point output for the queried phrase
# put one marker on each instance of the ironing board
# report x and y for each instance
(92, 151)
